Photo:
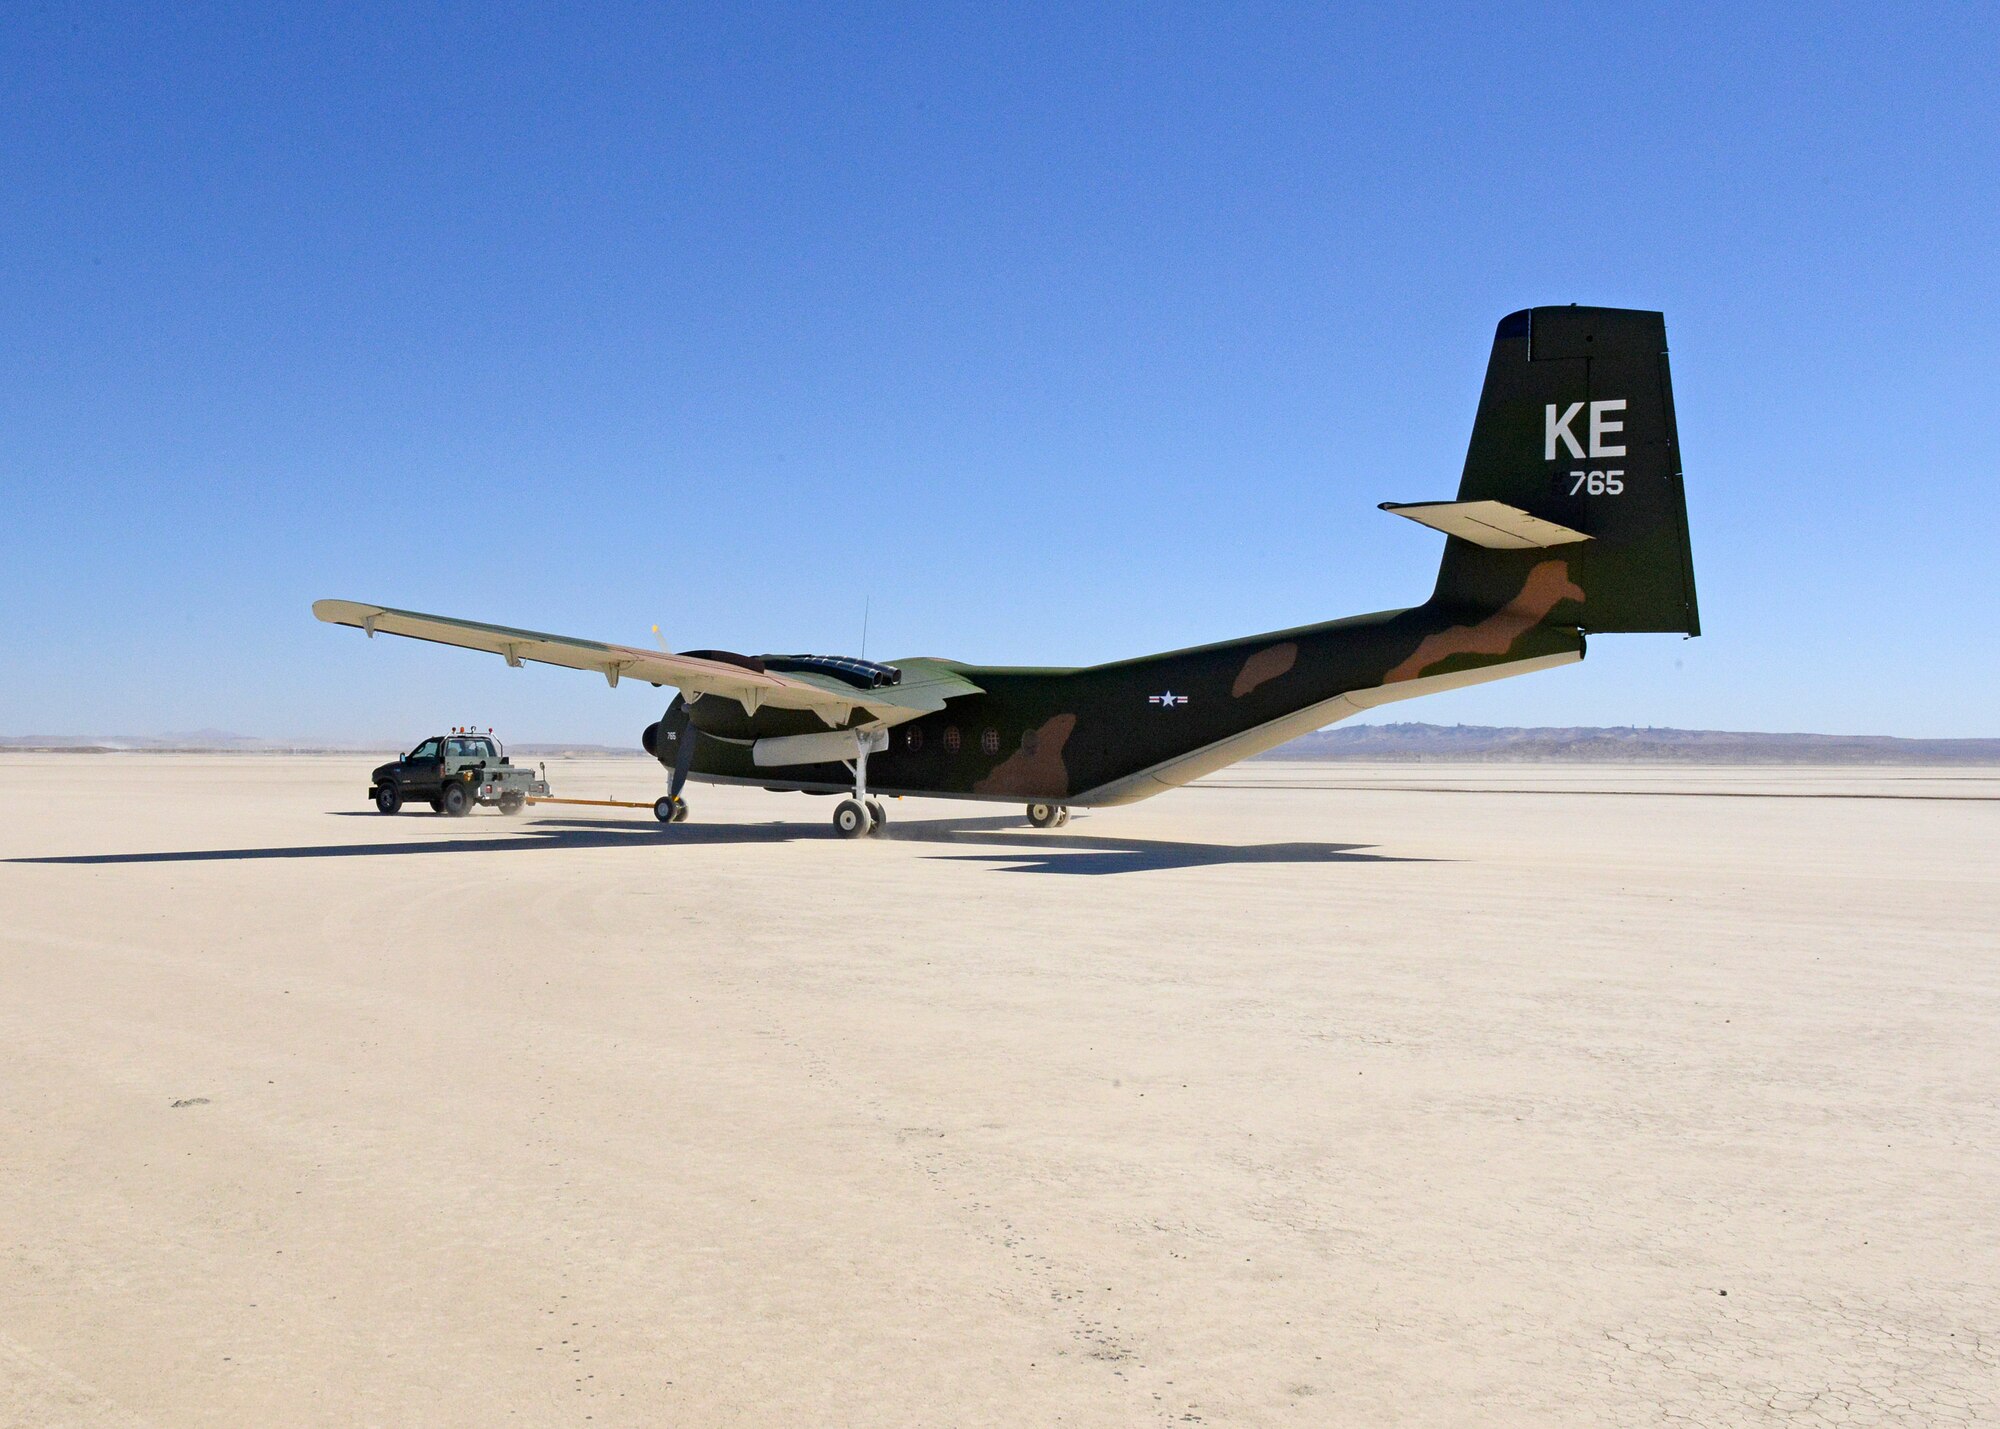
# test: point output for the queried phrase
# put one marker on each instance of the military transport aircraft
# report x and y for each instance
(1570, 520)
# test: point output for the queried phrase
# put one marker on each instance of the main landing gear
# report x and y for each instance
(860, 816)
(851, 819)
(1047, 816)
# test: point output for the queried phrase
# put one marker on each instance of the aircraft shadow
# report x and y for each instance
(1092, 855)
(1033, 851)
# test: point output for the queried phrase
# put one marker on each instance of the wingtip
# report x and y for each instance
(343, 612)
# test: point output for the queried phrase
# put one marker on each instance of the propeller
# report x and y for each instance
(676, 725)
(683, 753)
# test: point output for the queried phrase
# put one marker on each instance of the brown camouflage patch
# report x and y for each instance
(1265, 666)
(1548, 585)
(1035, 770)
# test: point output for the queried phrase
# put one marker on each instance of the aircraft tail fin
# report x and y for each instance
(1571, 501)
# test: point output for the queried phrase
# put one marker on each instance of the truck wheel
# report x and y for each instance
(437, 806)
(457, 800)
(513, 803)
(388, 798)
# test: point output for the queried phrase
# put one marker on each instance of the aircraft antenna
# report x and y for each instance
(866, 601)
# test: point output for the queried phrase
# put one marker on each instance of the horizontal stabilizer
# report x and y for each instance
(1494, 524)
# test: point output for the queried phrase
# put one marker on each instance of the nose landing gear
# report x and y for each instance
(1047, 816)
(670, 809)
(675, 728)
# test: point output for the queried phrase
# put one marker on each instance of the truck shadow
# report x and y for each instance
(1034, 851)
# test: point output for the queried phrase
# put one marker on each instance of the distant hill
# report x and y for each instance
(1393, 743)
(215, 741)
(1476, 743)
(198, 741)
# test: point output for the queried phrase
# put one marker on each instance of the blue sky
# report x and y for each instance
(1052, 334)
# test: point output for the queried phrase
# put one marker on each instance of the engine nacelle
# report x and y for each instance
(829, 747)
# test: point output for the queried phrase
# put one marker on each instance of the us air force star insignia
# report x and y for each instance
(1167, 701)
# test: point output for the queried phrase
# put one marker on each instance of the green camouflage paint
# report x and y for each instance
(1569, 392)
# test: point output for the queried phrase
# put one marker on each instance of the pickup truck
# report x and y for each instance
(456, 773)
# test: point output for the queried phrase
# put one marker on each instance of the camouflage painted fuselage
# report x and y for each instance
(1110, 734)
(1575, 427)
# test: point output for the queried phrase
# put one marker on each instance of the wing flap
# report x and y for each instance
(927, 684)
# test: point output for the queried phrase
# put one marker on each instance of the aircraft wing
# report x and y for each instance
(925, 686)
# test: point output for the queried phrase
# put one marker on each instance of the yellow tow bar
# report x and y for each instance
(594, 803)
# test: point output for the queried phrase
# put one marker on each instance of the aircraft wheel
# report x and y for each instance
(512, 803)
(388, 798)
(456, 800)
(1062, 818)
(1045, 816)
(878, 819)
(850, 819)
(670, 809)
